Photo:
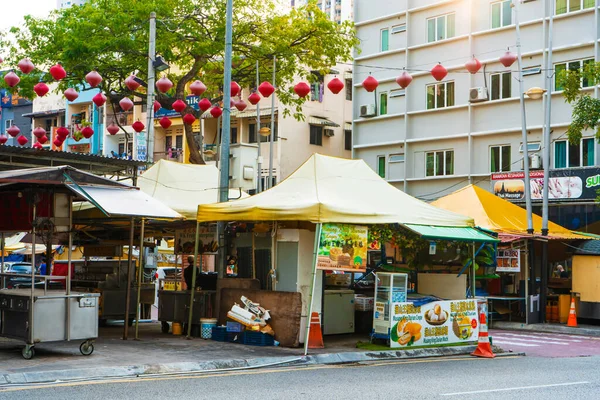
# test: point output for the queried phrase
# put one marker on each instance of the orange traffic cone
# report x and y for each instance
(572, 321)
(315, 336)
(484, 349)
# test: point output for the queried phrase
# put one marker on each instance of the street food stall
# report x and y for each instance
(325, 195)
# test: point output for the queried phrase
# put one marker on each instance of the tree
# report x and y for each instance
(111, 36)
(586, 109)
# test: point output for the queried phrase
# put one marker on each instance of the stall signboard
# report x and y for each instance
(434, 324)
(567, 184)
(508, 260)
(343, 247)
(186, 238)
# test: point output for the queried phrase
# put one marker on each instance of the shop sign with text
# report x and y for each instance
(343, 247)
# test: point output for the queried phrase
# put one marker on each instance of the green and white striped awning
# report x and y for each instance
(463, 234)
(321, 122)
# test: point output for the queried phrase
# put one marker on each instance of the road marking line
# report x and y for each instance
(494, 338)
(516, 388)
(515, 344)
(557, 338)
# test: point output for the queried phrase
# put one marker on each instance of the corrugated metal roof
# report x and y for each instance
(322, 121)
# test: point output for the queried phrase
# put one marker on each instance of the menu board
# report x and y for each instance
(186, 238)
(343, 247)
(434, 324)
(508, 260)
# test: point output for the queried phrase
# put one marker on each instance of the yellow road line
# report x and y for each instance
(201, 375)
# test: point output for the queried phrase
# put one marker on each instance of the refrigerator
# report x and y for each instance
(339, 312)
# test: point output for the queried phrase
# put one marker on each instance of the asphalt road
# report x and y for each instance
(510, 377)
(536, 344)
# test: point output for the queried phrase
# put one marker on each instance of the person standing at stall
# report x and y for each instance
(188, 272)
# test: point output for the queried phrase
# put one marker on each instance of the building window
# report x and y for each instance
(234, 135)
(440, 28)
(347, 140)
(567, 6)
(501, 14)
(251, 133)
(168, 143)
(385, 39)
(179, 142)
(501, 85)
(383, 103)
(381, 166)
(8, 123)
(439, 163)
(316, 88)
(316, 135)
(396, 158)
(567, 155)
(398, 28)
(500, 159)
(348, 86)
(440, 95)
(571, 66)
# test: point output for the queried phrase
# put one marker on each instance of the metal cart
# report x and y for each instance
(173, 305)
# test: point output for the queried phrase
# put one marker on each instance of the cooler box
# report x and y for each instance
(339, 312)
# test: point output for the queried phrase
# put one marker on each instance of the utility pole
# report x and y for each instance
(270, 184)
(546, 153)
(150, 96)
(257, 136)
(527, 188)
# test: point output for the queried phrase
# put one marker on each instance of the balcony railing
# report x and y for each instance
(123, 118)
(174, 155)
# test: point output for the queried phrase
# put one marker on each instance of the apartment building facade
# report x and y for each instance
(434, 137)
(338, 10)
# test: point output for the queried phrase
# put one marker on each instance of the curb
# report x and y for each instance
(41, 377)
(545, 328)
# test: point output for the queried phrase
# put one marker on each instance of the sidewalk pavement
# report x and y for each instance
(585, 330)
(158, 353)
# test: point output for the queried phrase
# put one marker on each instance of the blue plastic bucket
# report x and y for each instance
(206, 325)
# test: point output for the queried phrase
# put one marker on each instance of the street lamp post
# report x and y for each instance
(150, 93)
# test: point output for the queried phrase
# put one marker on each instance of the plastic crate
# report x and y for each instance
(257, 339)
(220, 334)
(362, 303)
(234, 327)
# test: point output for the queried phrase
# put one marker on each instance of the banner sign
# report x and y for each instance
(343, 247)
(437, 323)
(192, 101)
(564, 184)
(508, 260)
(186, 238)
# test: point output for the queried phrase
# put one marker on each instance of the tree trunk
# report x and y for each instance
(195, 156)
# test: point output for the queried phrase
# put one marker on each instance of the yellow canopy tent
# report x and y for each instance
(498, 215)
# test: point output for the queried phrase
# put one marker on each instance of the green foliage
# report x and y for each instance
(586, 109)
(111, 36)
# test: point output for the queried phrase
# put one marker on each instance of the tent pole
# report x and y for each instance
(526, 282)
(69, 259)
(253, 251)
(193, 288)
(473, 284)
(31, 307)
(2, 245)
(139, 280)
(128, 288)
(312, 286)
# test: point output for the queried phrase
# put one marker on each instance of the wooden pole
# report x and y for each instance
(193, 288)
(139, 280)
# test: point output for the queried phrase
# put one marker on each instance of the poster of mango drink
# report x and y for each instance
(434, 324)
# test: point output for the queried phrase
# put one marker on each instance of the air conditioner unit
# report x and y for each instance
(478, 94)
(328, 132)
(367, 110)
(536, 162)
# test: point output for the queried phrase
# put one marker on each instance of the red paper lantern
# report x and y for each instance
(302, 89)
(404, 79)
(254, 98)
(370, 84)
(58, 72)
(113, 129)
(156, 106)
(25, 65)
(266, 89)
(189, 118)
(22, 140)
(93, 79)
(11, 79)
(41, 89)
(204, 104)
(197, 88)
(42, 139)
(3, 139)
(131, 82)
(216, 112)
(62, 132)
(138, 126)
(39, 132)
(235, 89)
(241, 105)
(508, 59)
(165, 122)
(58, 143)
(38, 146)
(164, 84)
(439, 72)
(335, 85)
(126, 104)
(99, 99)
(473, 65)
(179, 105)
(87, 132)
(71, 94)
(13, 131)
(1, 60)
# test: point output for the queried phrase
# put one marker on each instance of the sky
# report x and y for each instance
(13, 11)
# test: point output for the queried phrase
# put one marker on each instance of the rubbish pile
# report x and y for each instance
(249, 325)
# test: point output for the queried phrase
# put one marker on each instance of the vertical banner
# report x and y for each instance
(141, 146)
(343, 247)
